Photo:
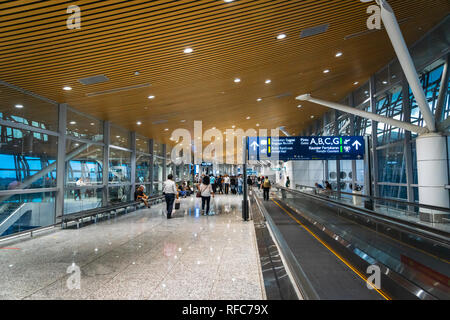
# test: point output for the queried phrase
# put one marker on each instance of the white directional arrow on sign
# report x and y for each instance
(254, 145)
(356, 144)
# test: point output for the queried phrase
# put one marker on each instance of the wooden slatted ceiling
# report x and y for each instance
(238, 39)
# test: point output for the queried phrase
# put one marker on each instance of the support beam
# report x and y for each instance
(105, 172)
(442, 92)
(61, 159)
(152, 162)
(364, 114)
(133, 164)
(404, 57)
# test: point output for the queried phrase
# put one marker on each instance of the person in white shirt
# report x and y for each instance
(206, 192)
(170, 192)
(227, 184)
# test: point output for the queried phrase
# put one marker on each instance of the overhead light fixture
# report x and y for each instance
(182, 120)
(312, 117)
(136, 73)
(356, 83)
(117, 137)
(268, 81)
(166, 129)
(228, 1)
(248, 118)
(92, 124)
(138, 123)
(67, 88)
(326, 71)
(385, 82)
(259, 99)
(72, 122)
(339, 54)
(237, 80)
(281, 36)
(257, 124)
(233, 127)
(188, 50)
(151, 97)
(19, 106)
(299, 106)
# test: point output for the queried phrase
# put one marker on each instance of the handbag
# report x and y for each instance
(177, 204)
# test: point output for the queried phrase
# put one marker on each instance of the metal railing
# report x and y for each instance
(409, 211)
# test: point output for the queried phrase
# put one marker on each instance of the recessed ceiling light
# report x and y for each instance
(117, 137)
(312, 117)
(281, 36)
(259, 99)
(188, 50)
(248, 118)
(19, 106)
(182, 120)
(233, 127)
(138, 123)
(237, 80)
(228, 0)
(326, 71)
(92, 124)
(385, 82)
(166, 129)
(257, 124)
(72, 122)
(268, 81)
(214, 128)
(67, 88)
(136, 73)
(299, 106)
(339, 54)
(151, 97)
(356, 83)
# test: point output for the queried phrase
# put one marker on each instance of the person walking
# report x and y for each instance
(206, 193)
(266, 187)
(213, 183)
(170, 192)
(288, 182)
(240, 183)
(227, 184)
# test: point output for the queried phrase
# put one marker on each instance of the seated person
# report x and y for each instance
(319, 186)
(139, 195)
(181, 191)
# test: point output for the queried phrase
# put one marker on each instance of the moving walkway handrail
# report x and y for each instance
(406, 203)
(421, 230)
(301, 280)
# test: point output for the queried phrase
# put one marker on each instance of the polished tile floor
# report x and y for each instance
(141, 255)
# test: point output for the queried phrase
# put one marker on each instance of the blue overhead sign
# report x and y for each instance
(306, 148)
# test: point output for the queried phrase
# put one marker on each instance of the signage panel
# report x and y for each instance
(307, 148)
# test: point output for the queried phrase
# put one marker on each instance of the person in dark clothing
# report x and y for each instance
(139, 195)
(266, 187)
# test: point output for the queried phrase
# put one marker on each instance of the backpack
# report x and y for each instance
(266, 183)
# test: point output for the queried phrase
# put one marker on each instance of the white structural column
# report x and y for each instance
(398, 42)
(432, 169)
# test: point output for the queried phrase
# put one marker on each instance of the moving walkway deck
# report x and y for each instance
(334, 249)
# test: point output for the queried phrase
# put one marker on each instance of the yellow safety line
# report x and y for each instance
(336, 254)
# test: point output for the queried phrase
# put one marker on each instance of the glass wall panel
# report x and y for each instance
(391, 164)
(142, 144)
(26, 211)
(158, 170)
(79, 199)
(395, 192)
(390, 104)
(81, 126)
(158, 149)
(83, 164)
(27, 159)
(119, 194)
(19, 107)
(143, 163)
(120, 137)
(119, 166)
